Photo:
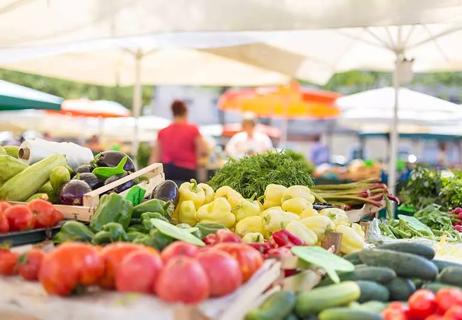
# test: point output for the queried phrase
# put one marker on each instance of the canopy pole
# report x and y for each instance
(394, 137)
(137, 100)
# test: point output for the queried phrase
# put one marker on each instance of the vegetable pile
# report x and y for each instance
(250, 175)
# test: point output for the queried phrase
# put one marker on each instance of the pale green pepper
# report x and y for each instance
(276, 219)
(187, 213)
(298, 192)
(273, 195)
(217, 211)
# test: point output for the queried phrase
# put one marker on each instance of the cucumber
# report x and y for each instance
(451, 275)
(400, 289)
(418, 283)
(441, 264)
(372, 291)
(291, 317)
(374, 306)
(348, 314)
(318, 299)
(436, 286)
(410, 247)
(405, 265)
(27, 182)
(277, 306)
(353, 258)
(376, 274)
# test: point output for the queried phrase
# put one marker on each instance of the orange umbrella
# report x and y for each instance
(289, 102)
(93, 108)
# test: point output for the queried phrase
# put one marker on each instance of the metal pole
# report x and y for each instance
(137, 100)
(394, 137)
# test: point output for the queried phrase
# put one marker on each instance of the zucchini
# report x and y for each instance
(400, 289)
(27, 182)
(318, 299)
(441, 264)
(371, 291)
(410, 247)
(348, 314)
(9, 167)
(436, 286)
(353, 258)
(451, 275)
(277, 306)
(12, 151)
(404, 264)
(59, 176)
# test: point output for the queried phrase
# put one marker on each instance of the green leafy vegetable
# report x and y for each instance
(325, 260)
(250, 175)
(176, 233)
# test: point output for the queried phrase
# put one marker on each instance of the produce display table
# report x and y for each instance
(21, 300)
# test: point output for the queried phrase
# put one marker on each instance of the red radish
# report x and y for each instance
(222, 270)
(183, 280)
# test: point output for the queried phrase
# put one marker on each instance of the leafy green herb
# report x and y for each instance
(250, 175)
(423, 187)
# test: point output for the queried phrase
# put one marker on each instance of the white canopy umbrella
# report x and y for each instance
(44, 22)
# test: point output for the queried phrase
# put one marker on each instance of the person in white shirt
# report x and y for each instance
(249, 141)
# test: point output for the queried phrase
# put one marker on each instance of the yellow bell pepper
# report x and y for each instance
(276, 219)
(297, 228)
(234, 198)
(247, 208)
(309, 212)
(217, 211)
(209, 193)
(298, 192)
(253, 237)
(296, 205)
(359, 230)
(319, 224)
(250, 224)
(190, 191)
(351, 240)
(187, 213)
(338, 216)
(273, 195)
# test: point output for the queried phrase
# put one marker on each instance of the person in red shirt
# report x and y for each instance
(179, 146)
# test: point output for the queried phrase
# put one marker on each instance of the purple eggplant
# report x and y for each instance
(73, 191)
(112, 159)
(84, 168)
(91, 179)
(167, 191)
(121, 187)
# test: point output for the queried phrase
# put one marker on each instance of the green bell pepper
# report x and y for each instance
(112, 208)
(155, 239)
(206, 228)
(146, 219)
(153, 205)
(73, 231)
(111, 232)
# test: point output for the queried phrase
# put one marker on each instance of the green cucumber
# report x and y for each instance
(318, 299)
(404, 264)
(436, 286)
(353, 258)
(410, 247)
(374, 306)
(376, 274)
(441, 264)
(451, 275)
(277, 306)
(291, 317)
(372, 291)
(400, 289)
(348, 314)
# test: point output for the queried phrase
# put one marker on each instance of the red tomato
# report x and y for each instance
(250, 260)
(4, 225)
(70, 265)
(422, 304)
(434, 317)
(454, 313)
(138, 272)
(4, 205)
(29, 264)
(112, 255)
(43, 212)
(8, 260)
(183, 280)
(225, 235)
(446, 298)
(393, 314)
(222, 271)
(20, 218)
(179, 248)
(57, 217)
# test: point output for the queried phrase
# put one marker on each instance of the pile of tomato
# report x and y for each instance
(446, 304)
(182, 272)
(37, 213)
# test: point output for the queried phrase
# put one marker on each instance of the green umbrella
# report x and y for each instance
(16, 97)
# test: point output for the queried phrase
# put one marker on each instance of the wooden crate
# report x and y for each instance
(27, 301)
(154, 175)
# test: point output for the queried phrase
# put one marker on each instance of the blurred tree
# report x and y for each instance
(74, 90)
